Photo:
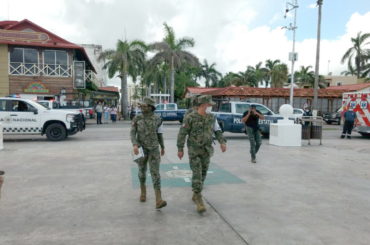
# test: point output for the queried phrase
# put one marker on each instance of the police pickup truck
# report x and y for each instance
(230, 114)
(23, 116)
(169, 112)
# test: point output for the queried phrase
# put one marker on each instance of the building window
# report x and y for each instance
(56, 63)
(23, 61)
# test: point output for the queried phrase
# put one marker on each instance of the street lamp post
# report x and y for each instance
(293, 55)
(316, 85)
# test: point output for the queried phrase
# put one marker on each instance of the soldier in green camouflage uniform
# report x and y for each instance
(199, 126)
(146, 132)
(193, 104)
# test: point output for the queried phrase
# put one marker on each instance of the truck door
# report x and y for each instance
(23, 118)
(238, 125)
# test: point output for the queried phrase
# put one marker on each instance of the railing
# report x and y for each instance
(33, 69)
(90, 76)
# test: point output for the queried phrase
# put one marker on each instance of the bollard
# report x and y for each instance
(1, 180)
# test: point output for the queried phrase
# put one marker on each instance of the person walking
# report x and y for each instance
(113, 113)
(147, 133)
(1, 180)
(250, 118)
(99, 112)
(349, 120)
(199, 126)
(106, 110)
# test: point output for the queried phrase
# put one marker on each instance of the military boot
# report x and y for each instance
(143, 193)
(194, 196)
(159, 203)
(199, 202)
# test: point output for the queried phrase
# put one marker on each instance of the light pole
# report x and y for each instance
(293, 55)
(316, 85)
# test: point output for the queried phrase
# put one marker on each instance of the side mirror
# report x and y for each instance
(35, 111)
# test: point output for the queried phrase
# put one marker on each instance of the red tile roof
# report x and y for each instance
(350, 87)
(110, 89)
(52, 41)
(273, 92)
(199, 90)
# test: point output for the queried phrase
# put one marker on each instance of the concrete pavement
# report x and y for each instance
(81, 191)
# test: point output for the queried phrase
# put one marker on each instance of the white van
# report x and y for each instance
(23, 116)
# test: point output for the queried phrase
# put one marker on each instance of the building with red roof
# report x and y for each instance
(328, 99)
(352, 87)
(35, 62)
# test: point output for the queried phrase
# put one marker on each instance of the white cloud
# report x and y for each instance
(225, 33)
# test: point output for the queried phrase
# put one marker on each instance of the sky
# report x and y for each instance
(230, 33)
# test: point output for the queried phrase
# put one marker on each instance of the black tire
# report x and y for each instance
(328, 123)
(366, 135)
(56, 132)
(339, 122)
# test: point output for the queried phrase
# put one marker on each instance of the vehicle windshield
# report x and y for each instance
(44, 104)
(241, 108)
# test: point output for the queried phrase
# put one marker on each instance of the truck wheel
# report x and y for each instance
(56, 132)
(339, 122)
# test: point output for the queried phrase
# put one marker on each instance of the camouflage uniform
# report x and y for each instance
(146, 132)
(193, 105)
(200, 130)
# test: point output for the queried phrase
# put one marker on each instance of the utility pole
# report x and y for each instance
(316, 85)
(293, 55)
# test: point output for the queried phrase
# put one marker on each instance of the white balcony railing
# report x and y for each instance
(27, 69)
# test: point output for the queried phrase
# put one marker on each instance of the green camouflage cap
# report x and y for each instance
(194, 100)
(205, 99)
(147, 101)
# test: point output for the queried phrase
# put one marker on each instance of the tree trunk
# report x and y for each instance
(124, 99)
(172, 81)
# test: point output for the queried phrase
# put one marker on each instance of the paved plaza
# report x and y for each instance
(84, 191)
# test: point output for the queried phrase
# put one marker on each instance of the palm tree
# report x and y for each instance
(270, 65)
(209, 73)
(172, 52)
(358, 53)
(279, 75)
(227, 79)
(127, 60)
(351, 71)
(247, 78)
(260, 73)
(157, 75)
(306, 78)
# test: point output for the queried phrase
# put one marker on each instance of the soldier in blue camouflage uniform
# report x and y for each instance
(200, 126)
(146, 132)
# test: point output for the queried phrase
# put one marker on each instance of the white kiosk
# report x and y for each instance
(285, 132)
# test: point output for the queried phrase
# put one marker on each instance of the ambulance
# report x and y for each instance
(360, 102)
(27, 117)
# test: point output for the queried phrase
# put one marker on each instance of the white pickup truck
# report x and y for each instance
(23, 116)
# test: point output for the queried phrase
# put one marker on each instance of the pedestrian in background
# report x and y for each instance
(200, 126)
(1, 180)
(106, 113)
(113, 113)
(349, 120)
(147, 133)
(99, 112)
(250, 118)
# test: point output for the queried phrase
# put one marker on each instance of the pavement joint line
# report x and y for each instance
(226, 221)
